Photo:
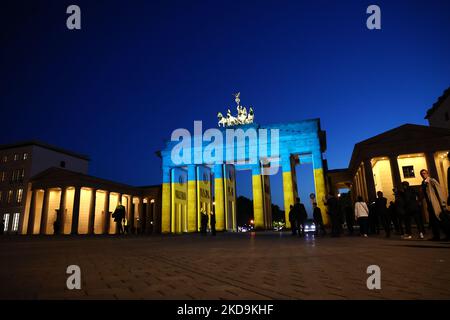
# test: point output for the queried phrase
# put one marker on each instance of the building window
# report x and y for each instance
(5, 221)
(25, 156)
(62, 164)
(15, 222)
(10, 196)
(16, 157)
(408, 172)
(19, 195)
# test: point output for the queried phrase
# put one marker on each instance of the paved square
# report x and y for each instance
(264, 265)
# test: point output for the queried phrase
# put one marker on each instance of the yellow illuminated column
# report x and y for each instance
(166, 199)
(219, 197)
(258, 200)
(288, 186)
(319, 184)
(192, 199)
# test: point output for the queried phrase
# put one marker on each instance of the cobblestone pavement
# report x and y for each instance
(264, 265)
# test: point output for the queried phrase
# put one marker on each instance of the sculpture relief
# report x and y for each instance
(242, 116)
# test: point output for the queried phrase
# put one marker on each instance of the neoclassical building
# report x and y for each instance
(383, 162)
(41, 182)
(83, 204)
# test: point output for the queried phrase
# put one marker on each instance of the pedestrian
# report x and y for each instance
(56, 226)
(393, 215)
(333, 212)
(403, 219)
(301, 216)
(374, 219)
(349, 219)
(362, 216)
(436, 207)
(293, 220)
(203, 222)
(412, 209)
(119, 215)
(212, 223)
(318, 221)
(382, 213)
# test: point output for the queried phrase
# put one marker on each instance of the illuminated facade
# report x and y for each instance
(187, 189)
(83, 204)
(383, 162)
(40, 182)
(19, 162)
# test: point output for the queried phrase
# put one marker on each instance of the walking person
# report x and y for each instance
(374, 219)
(301, 216)
(318, 221)
(333, 212)
(203, 222)
(362, 216)
(382, 213)
(119, 215)
(403, 219)
(212, 223)
(293, 220)
(436, 206)
(412, 209)
(349, 219)
(393, 216)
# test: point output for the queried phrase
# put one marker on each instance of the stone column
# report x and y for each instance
(76, 210)
(370, 182)
(219, 197)
(431, 164)
(44, 212)
(192, 210)
(288, 185)
(106, 216)
(141, 215)
(166, 200)
(62, 210)
(130, 213)
(395, 171)
(319, 183)
(258, 198)
(32, 214)
(92, 205)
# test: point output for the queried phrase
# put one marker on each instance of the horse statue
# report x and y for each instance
(250, 116)
(222, 120)
(231, 121)
(242, 114)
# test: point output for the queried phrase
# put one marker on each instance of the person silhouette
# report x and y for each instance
(212, 223)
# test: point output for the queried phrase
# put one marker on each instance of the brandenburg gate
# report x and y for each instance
(199, 170)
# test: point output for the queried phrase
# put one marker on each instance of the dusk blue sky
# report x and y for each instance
(116, 89)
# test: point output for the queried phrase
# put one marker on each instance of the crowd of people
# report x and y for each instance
(399, 215)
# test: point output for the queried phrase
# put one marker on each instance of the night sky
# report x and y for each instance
(137, 70)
